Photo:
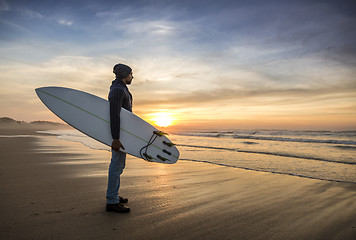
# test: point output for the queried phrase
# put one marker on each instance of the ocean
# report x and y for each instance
(323, 155)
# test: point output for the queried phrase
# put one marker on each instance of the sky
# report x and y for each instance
(207, 64)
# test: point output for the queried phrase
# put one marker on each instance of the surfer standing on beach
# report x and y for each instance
(119, 96)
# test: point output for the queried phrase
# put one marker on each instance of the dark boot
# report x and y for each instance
(118, 207)
(123, 200)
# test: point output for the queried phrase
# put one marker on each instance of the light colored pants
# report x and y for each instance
(117, 165)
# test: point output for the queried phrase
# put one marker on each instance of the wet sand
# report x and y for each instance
(55, 189)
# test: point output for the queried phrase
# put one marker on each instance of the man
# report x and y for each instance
(119, 96)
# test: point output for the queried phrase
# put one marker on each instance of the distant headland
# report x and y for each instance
(10, 124)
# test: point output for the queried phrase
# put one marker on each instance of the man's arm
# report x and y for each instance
(116, 98)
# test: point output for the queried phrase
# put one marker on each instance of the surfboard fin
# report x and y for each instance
(169, 144)
(160, 133)
(162, 158)
(165, 151)
(147, 157)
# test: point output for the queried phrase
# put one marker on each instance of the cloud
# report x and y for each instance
(152, 27)
(296, 83)
(13, 30)
(261, 96)
(72, 71)
(30, 13)
(4, 6)
(65, 22)
(141, 27)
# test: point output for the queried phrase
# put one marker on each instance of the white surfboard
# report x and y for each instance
(91, 115)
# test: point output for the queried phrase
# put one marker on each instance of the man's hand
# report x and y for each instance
(116, 145)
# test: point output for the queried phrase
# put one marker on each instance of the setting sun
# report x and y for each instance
(162, 119)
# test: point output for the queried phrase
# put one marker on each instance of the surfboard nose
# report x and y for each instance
(39, 90)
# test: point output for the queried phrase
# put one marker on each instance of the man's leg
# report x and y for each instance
(117, 165)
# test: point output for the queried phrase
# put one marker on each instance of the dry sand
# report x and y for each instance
(54, 189)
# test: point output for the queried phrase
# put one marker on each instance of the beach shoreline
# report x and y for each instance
(55, 189)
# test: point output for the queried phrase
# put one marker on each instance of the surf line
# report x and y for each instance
(269, 153)
(71, 104)
(266, 171)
